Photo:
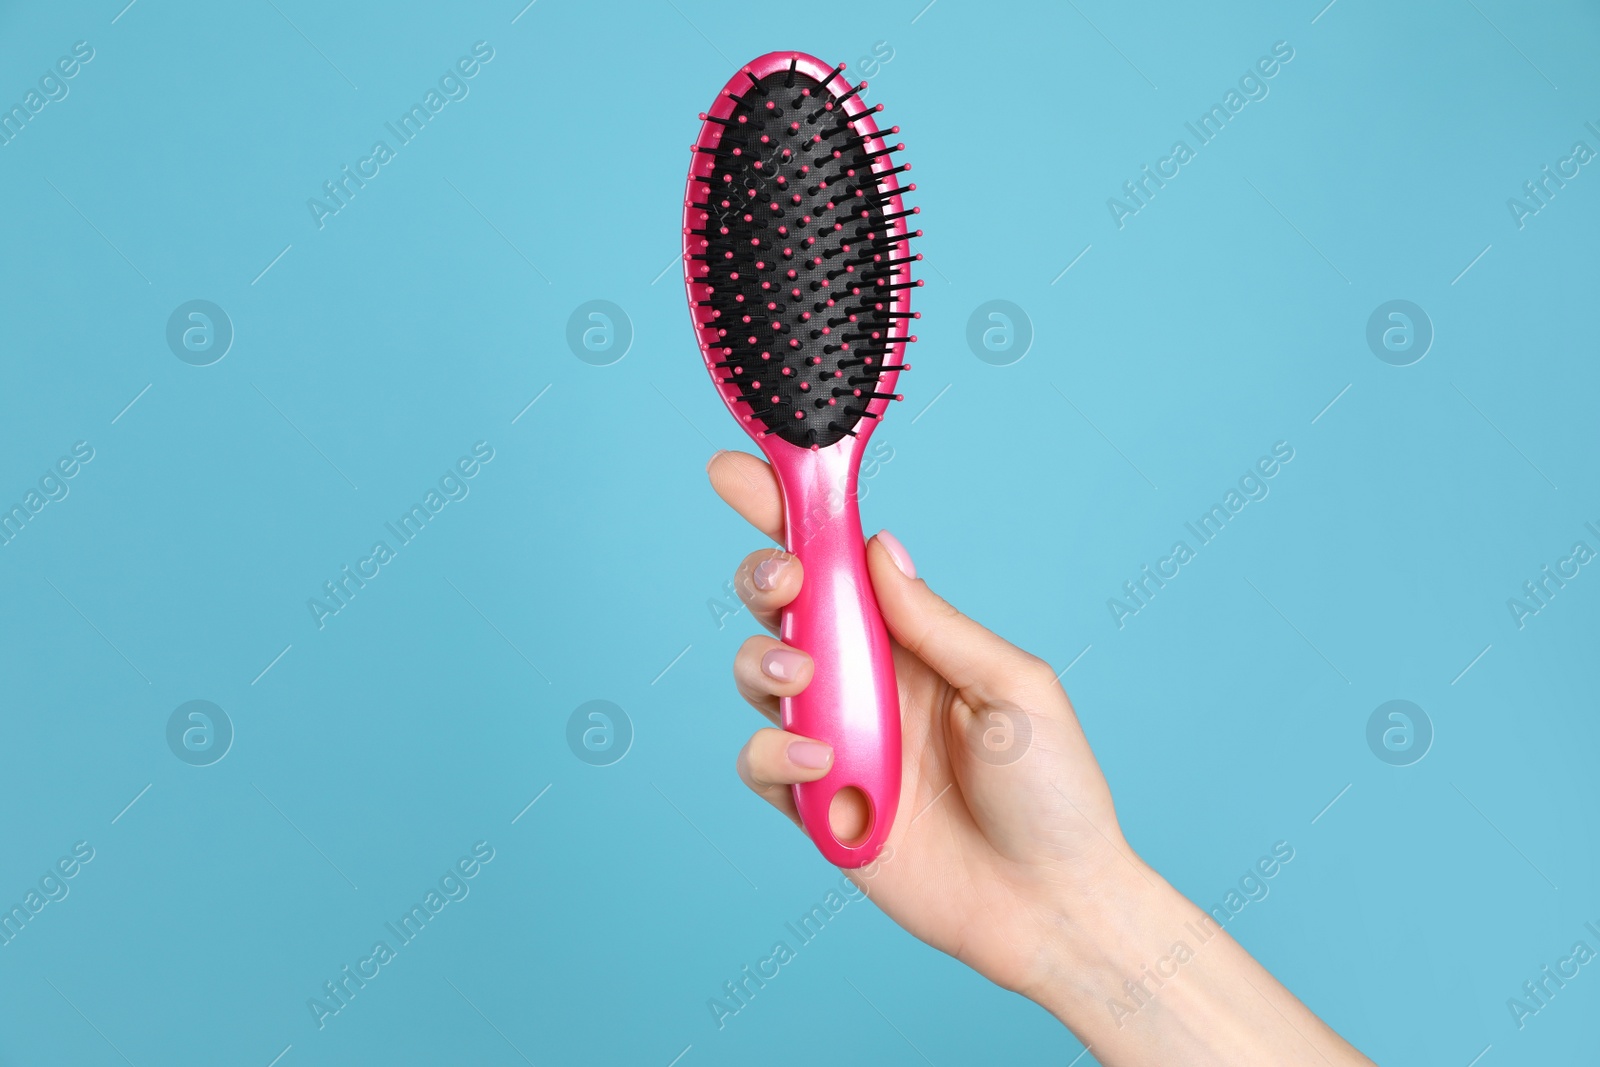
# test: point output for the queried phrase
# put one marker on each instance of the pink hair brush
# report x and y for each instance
(798, 267)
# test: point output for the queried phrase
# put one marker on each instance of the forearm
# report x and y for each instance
(1144, 977)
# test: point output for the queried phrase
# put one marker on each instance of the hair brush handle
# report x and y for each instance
(852, 702)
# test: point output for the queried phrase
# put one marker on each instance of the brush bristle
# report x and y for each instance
(804, 259)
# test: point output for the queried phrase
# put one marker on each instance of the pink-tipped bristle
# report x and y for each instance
(792, 135)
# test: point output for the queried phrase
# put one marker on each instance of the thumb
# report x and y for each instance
(980, 664)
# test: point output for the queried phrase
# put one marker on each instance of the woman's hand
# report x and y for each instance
(1006, 828)
(1006, 852)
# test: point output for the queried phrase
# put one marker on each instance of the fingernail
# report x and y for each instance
(782, 663)
(768, 571)
(898, 553)
(812, 755)
(713, 458)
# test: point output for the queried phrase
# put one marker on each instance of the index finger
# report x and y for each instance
(749, 487)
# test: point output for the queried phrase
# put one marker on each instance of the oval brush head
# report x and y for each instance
(797, 253)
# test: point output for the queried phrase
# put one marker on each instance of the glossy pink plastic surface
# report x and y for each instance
(852, 702)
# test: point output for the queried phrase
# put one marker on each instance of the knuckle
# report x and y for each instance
(745, 769)
(759, 563)
(1035, 669)
(947, 612)
(756, 752)
(943, 618)
(1034, 674)
(754, 647)
(744, 578)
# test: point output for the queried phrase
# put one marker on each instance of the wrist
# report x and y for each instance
(1109, 938)
(1143, 976)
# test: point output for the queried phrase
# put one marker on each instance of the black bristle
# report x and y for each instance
(834, 267)
(854, 89)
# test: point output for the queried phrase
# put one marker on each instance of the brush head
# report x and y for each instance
(796, 252)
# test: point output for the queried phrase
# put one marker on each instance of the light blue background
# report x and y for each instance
(426, 715)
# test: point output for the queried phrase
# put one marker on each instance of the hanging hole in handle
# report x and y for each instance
(850, 817)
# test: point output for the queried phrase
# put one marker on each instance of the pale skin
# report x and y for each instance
(1017, 869)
